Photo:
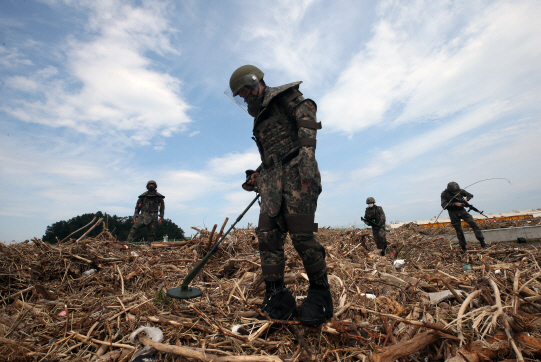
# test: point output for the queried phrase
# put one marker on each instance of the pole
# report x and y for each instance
(187, 292)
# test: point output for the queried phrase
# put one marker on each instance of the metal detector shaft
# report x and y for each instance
(193, 273)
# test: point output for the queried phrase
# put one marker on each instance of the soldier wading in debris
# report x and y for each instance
(450, 198)
(149, 204)
(289, 182)
(375, 217)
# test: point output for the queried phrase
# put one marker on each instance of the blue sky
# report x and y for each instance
(98, 97)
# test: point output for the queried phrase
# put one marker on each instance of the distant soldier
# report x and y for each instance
(450, 200)
(149, 204)
(289, 182)
(376, 218)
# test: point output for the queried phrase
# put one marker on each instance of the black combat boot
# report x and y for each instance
(384, 251)
(317, 307)
(483, 244)
(278, 303)
(463, 249)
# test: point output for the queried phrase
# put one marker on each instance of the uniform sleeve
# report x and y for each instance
(305, 113)
(162, 207)
(382, 219)
(466, 194)
(138, 206)
(444, 201)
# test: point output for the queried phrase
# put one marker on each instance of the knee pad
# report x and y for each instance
(270, 240)
(311, 252)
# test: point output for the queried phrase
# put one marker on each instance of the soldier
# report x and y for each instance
(289, 182)
(449, 201)
(148, 204)
(376, 216)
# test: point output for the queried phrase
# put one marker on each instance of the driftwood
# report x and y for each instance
(50, 311)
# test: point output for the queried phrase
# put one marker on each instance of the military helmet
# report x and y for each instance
(453, 187)
(247, 75)
(370, 200)
(152, 182)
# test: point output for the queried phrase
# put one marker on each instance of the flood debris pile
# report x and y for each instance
(83, 299)
(484, 224)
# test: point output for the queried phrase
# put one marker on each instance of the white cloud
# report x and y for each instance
(417, 67)
(112, 86)
(234, 163)
(10, 57)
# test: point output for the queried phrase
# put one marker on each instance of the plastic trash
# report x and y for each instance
(89, 272)
(133, 253)
(146, 354)
(153, 333)
(368, 296)
(399, 263)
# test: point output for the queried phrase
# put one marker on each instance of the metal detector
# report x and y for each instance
(187, 292)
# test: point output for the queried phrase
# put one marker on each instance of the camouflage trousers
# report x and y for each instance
(296, 215)
(456, 216)
(140, 223)
(380, 237)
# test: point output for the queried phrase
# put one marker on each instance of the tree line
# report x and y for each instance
(119, 226)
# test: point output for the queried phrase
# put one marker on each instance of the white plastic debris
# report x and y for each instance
(153, 333)
(133, 253)
(399, 263)
(497, 271)
(89, 272)
(146, 353)
(368, 296)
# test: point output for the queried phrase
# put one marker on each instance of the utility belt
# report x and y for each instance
(284, 160)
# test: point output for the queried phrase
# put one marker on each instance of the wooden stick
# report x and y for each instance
(209, 243)
(127, 309)
(82, 338)
(408, 321)
(461, 313)
(121, 279)
(452, 290)
(89, 230)
(222, 229)
(204, 356)
(76, 231)
(406, 348)
(501, 313)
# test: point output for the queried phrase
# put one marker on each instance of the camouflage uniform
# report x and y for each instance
(148, 204)
(376, 215)
(285, 133)
(458, 213)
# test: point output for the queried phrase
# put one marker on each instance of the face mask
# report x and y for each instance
(254, 104)
(371, 205)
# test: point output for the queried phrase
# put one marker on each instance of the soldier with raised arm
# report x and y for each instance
(450, 201)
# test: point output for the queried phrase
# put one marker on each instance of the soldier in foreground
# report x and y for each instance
(149, 204)
(375, 217)
(450, 200)
(289, 182)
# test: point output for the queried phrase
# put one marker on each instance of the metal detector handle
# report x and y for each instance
(193, 273)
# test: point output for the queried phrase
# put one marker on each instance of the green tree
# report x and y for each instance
(119, 226)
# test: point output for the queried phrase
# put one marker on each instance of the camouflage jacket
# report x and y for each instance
(376, 215)
(285, 106)
(447, 196)
(149, 205)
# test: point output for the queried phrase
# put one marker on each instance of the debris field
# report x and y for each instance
(81, 299)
